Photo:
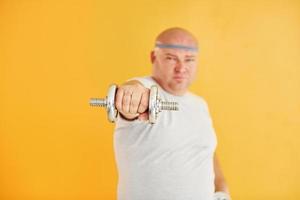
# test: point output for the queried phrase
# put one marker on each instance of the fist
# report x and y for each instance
(132, 100)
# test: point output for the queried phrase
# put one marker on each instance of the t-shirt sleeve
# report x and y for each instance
(207, 113)
(146, 81)
(206, 109)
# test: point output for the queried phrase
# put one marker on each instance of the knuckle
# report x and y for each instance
(135, 100)
(127, 92)
(133, 106)
(120, 89)
(118, 99)
(131, 111)
(144, 104)
(142, 108)
(125, 102)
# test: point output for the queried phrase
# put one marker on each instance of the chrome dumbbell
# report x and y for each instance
(156, 105)
(221, 196)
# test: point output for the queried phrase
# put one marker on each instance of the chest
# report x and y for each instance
(190, 125)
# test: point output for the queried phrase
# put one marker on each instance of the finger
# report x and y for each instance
(144, 103)
(126, 101)
(135, 101)
(119, 99)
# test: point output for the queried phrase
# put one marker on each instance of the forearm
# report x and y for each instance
(220, 182)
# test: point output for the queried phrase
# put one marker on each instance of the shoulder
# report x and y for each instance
(199, 100)
(147, 81)
(196, 97)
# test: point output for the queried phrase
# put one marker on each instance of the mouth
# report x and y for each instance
(179, 77)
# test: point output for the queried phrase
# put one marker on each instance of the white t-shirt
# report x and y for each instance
(171, 159)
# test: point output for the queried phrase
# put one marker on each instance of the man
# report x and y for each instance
(173, 159)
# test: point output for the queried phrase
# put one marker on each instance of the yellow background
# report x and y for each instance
(55, 55)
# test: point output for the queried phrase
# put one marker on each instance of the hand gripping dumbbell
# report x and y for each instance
(156, 105)
(221, 196)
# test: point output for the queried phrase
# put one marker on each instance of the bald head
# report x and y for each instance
(174, 60)
(177, 36)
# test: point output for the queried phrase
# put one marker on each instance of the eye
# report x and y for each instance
(190, 60)
(169, 58)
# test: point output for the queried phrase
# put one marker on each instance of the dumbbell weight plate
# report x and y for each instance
(153, 104)
(112, 112)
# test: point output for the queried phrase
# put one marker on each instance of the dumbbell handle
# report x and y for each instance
(166, 105)
(100, 102)
(155, 106)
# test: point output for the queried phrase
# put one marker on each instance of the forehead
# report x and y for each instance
(181, 48)
(177, 46)
(176, 52)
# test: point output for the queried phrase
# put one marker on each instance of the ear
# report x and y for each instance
(152, 57)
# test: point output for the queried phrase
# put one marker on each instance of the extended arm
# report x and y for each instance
(220, 182)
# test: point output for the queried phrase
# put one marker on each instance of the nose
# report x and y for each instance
(179, 67)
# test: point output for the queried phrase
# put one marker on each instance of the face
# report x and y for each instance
(174, 69)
